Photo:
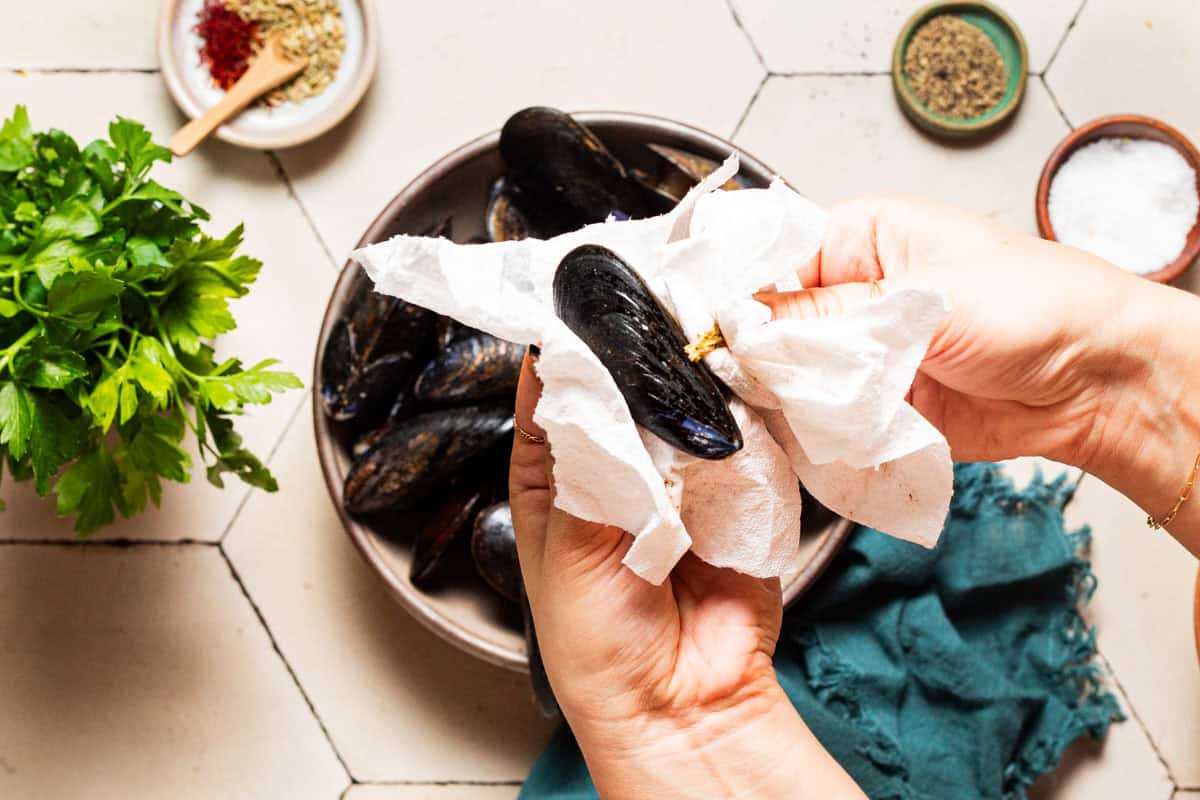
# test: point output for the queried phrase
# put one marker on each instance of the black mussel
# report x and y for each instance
(814, 515)
(336, 365)
(472, 368)
(372, 353)
(440, 531)
(494, 550)
(395, 326)
(695, 167)
(371, 390)
(611, 309)
(354, 384)
(678, 172)
(543, 693)
(372, 437)
(450, 330)
(514, 213)
(562, 165)
(504, 220)
(422, 454)
(660, 196)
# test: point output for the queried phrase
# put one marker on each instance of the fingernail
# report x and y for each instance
(534, 351)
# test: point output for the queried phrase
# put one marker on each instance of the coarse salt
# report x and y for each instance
(1129, 201)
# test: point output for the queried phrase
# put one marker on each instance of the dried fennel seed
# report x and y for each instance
(954, 68)
(312, 29)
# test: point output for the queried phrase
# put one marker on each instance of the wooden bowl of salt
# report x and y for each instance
(1170, 215)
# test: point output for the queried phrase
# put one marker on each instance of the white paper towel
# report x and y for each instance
(822, 399)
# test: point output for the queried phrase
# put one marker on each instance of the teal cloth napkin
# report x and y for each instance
(958, 672)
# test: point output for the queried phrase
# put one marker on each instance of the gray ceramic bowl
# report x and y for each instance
(464, 612)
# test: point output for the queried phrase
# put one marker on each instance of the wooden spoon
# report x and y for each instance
(269, 69)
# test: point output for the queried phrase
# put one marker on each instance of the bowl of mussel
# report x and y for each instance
(414, 411)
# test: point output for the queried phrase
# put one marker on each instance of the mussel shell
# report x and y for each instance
(814, 515)
(561, 163)
(337, 367)
(440, 531)
(371, 353)
(504, 220)
(372, 437)
(494, 550)
(543, 692)
(395, 326)
(693, 167)
(516, 213)
(678, 172)
(422, 454)
(471, 368)
(371, 391)
(661, 195)
(611, 309)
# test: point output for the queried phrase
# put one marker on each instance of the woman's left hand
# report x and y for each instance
(669, 689)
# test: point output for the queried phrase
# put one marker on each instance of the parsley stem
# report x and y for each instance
(7, 353)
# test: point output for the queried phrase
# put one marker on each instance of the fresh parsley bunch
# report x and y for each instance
(109, 296)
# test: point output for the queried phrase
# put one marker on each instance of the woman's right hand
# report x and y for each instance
(1047, 350)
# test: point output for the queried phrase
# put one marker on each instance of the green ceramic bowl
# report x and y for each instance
(1007, 37)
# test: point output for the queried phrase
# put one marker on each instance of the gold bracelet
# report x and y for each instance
(1183, 497)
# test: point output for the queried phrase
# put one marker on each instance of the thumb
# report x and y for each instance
(820, 301)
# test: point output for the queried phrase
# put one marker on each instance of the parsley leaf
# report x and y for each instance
(110, 295)
(16, 142)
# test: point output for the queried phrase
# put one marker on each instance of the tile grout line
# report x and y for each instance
(281, 171)
(262, 620)
(749, 106)
(237, 512)
(1063, 39)
(1133, 712)
(1054, 99)
(24, 71)
(115, 544)
(296, 413)
(830, 73)
(437, 783)
(737, 20)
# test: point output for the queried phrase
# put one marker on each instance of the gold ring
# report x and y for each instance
(526, 435)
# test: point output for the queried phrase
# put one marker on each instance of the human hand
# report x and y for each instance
(1047, 351)
(669, 689)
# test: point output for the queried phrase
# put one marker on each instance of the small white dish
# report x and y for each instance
(285, 125)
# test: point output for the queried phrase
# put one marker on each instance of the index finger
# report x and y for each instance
(529, 469)
(849, 251)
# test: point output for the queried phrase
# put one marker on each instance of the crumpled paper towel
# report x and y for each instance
(821, 399)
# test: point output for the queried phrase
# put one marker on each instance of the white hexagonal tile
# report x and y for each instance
(280, 318)
(833, 137)
(1143, 613)
(1121, 765)
(144, 672)
(1022, 470)
(1131, 57)
(116, 34)
(430, 792)
(859, 36)
(453, 70)
(399, 703)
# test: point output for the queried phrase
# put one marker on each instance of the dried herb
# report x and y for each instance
(228, 42)
(954, 68)
(312, 29)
